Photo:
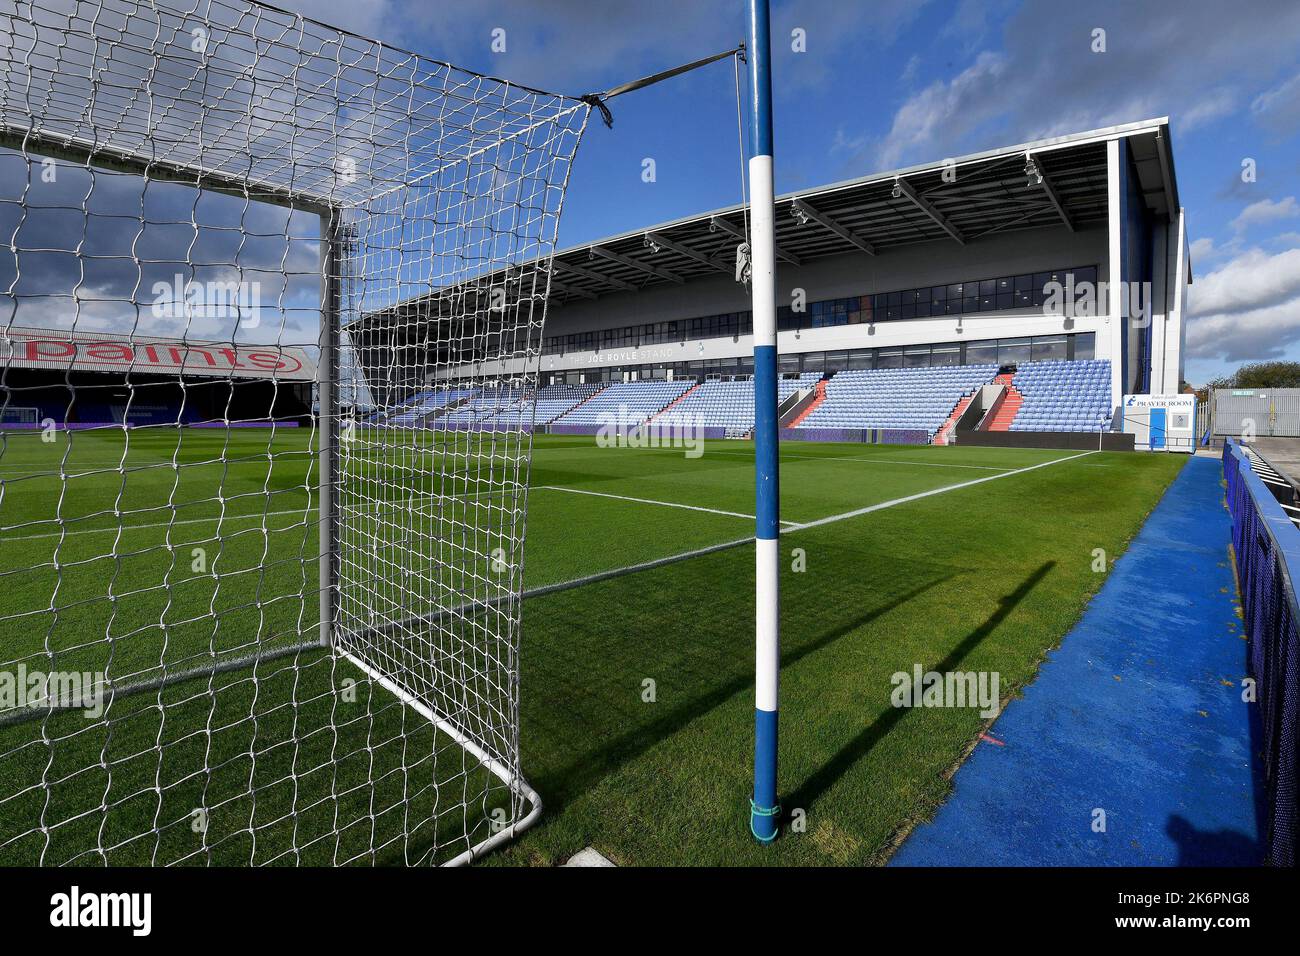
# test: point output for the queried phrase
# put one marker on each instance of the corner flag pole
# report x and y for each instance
(764, 809)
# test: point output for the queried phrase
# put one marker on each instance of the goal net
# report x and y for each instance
(273, 302)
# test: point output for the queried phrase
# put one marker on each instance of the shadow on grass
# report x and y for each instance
(861, 745)
(560, 786)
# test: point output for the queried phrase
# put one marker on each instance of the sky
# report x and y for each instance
(891, 83)
(877, 85)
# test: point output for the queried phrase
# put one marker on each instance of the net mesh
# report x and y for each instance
(259, 591)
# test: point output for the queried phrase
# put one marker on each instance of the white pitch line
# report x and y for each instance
(127, 528)
(872, 461)
(727, 545)
(310, 515)
(934, 491)
(899, 461)
(649, 501)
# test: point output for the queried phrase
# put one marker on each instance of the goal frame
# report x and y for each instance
(60, 145)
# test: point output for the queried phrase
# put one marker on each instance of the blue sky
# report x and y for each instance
(895, 82)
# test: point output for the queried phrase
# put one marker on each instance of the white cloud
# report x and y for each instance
(1214, 105)
(365, 17)
(1203, 249)
(1253, 280)
(1265, 211)
(1280, 106)
(1249, 336)
(1044, 79)
(943, 110)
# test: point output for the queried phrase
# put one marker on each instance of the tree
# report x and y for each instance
(1262, 375)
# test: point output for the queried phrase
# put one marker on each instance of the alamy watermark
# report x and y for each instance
(186, 299)
(25, 689)
(1084, 298)
(623, 429)
(922, 688)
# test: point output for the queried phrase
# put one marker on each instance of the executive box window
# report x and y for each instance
(945, 355)
(1084, 345)
(889, 358)
(1013, 351)
(1024, 291)
(1046, 347)
(982, 353)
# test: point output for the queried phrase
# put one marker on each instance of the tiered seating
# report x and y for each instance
(552, 402)
(1063, 396)
(413, 411)
(728, 404)
(911, 398)
(629, 402)
(487, 404)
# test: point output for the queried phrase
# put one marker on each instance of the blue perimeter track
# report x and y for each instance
(1139, 714)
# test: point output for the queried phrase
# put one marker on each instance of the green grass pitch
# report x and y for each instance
(986, 577)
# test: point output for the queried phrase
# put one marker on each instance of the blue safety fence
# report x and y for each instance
(1267, 550)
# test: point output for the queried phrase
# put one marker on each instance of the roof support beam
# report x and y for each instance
(558, 286)
(1052, 195)
(804, 212)
(923, 204)
(654, 242)
(717, 223)
(636, 264)
(594, 276)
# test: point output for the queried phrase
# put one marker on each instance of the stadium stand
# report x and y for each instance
(423, 405)
(911, 398)
(727, 404)
(552, 402)
(630, 403)
(487, 404)
(1063, 396)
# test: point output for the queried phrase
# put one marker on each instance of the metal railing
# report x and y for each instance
(1266, 545)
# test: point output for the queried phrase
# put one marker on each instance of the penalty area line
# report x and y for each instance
(650, 501)
(795, 527)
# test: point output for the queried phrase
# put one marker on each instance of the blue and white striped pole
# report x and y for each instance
(764, 810)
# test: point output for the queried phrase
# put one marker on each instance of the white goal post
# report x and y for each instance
(246, 616)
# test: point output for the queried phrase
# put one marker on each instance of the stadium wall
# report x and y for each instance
(924, 264)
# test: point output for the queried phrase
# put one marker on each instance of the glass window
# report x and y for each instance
(917, 358)
(788, 362)
(945, 355)
(836, 361)
(889, 358)
(861, 358)
(1013, 351)
(1045, 347)
(982, 353)
(1085, 345)
(814, 361)
(1040, 279)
